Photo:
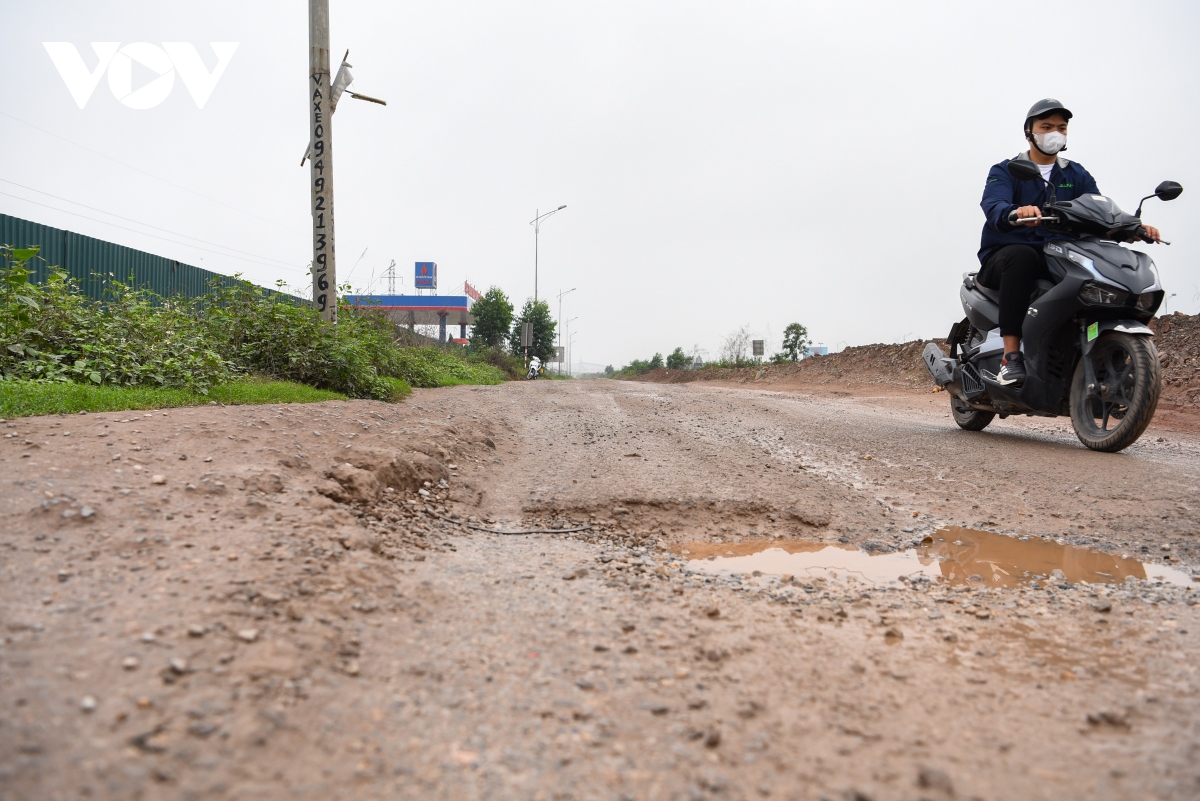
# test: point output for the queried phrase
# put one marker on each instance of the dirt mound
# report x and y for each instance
(891, 365)
(1177, 337)
(1178, 340)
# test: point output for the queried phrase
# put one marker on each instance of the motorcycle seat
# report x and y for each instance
(1041, 287)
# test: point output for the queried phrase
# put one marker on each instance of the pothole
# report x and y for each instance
(951, 555)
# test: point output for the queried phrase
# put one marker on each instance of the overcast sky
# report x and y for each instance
(723, 163)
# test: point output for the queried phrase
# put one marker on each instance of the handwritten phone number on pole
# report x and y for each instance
(319, 209)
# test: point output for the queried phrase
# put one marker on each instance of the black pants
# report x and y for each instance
(1014, 270)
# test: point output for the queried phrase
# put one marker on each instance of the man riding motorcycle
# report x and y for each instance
(1011, 254)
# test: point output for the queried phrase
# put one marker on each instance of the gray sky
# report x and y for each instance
(724, 164)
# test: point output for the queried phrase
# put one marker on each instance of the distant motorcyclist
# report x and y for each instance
(1011, 254)
(535, 368)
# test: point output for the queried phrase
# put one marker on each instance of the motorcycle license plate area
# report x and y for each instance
(951, 555)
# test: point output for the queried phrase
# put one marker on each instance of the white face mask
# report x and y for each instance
(1050, 143)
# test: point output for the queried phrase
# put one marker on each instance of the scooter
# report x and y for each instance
(1088, 351)
(535, 369)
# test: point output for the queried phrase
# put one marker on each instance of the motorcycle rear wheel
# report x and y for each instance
(1129, 376)
(967, 418)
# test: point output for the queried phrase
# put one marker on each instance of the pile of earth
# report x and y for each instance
(1178, 340)
(889, 365)
(899, 365)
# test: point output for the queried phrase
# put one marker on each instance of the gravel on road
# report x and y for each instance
(298, 601)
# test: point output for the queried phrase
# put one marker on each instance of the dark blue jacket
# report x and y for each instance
(1002, 193)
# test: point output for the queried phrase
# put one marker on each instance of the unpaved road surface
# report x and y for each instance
(287, 602)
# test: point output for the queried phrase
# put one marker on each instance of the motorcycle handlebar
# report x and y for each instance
(1141, 234)
(1014, 219)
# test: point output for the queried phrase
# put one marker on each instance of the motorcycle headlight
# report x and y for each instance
(1098, 295)
(1148, 301)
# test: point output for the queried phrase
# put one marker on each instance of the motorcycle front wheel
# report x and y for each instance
(1128, 384)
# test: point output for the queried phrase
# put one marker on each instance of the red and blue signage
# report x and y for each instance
(425, 276)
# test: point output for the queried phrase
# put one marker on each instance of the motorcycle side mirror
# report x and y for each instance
(1024, 170)
(1168, 190)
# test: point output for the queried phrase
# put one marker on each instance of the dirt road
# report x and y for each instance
(297, 601)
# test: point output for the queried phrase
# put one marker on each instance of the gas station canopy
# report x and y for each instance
(418, 309)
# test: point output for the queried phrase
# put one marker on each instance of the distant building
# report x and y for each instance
(817, 350)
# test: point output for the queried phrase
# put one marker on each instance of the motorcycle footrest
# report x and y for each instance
(1003, 396)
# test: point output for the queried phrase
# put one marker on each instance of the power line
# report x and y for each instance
(139, 222)
(149, 174)
(143, 233)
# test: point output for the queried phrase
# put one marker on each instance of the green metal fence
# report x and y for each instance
(83, 258)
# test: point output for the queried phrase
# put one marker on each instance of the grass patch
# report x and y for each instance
(26, 398)
(400, 389)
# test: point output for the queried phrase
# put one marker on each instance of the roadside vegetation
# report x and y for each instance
(734, 353)
(51, 334)
(25, 398)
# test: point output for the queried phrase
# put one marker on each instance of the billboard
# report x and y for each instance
(758, 347)
(559, 356)
(425, 276)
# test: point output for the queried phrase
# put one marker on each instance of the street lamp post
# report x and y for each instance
(560, 335)
(567, 340)
(536, 222)
(570, 348)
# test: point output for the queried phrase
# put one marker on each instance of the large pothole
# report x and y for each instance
(951, 555)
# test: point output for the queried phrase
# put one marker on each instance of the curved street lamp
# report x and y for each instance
(536, 222)
(560, 336)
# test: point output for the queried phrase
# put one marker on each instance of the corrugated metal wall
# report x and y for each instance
(82, 256)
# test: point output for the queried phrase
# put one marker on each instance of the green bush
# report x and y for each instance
(434, 367)
(264, 334)
(52, 333)
(508, 364)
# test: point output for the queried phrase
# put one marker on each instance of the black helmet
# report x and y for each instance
(1044, 108)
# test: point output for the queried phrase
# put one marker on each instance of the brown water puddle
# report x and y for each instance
(952, 555)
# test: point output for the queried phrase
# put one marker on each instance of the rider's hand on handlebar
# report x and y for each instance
(1028, 215)
(1151, 234)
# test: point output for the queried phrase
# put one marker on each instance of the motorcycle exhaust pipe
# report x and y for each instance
(939, 365)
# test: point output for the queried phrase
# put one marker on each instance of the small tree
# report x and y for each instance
(795, 341)
(656, 363)
(608, 369)
(493, 319)
(733, 349)
(543, 331)
(678, 360)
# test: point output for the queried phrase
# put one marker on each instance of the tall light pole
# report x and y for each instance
(536, 222)
(320, 128)
(571, 347)
(560, 336)
(567, 340)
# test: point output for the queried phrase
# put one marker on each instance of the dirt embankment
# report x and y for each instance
(881, 365)
(1178, 340)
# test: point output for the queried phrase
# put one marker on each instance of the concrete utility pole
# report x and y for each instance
(320, 118)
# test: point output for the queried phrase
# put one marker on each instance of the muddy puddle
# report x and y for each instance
(951, 555)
